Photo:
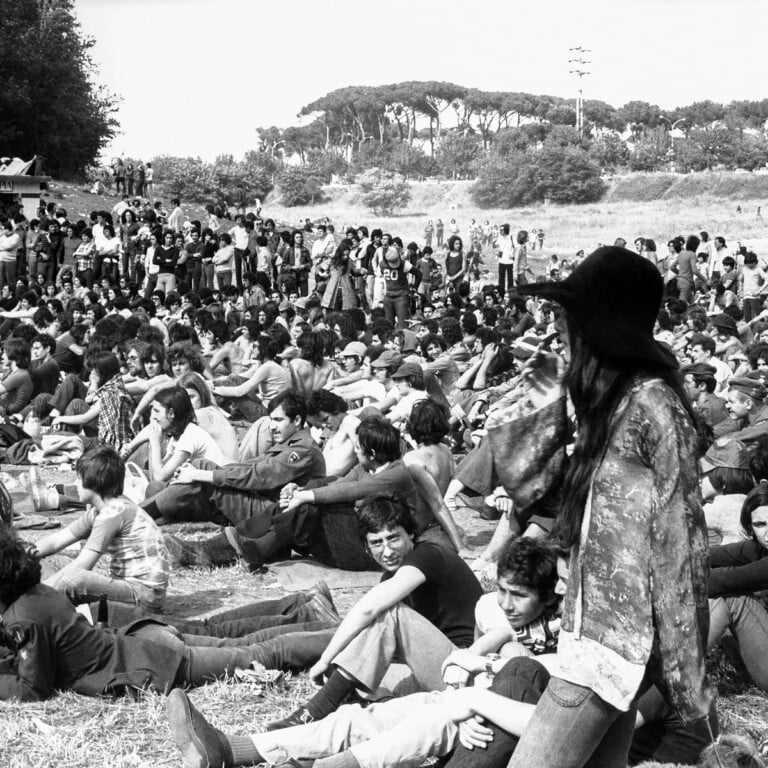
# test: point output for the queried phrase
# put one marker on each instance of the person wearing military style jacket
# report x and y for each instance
(244, 496)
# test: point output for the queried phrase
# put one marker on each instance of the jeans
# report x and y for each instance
(72, 388)
(208, 275)
(166, 282)
(573, 727)
(406, 730)
(200, 502)
(258, 636)
(401, 731)
(751, 308)
(506, 278)
(239, 258)
(82, 586)
(520, 679)
(47, 269)
(85, 276)
(288, 652)
(224, 278)
(328, 532)
(195, 274)
(399, 634)
(231, 623)
(685, 289)
(397, 306)
(8, 273)
(747, 619)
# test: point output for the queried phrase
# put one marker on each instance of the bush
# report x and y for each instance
(568, 175)
(383, 191)
(300, 185)
(559, 174)
(506, 182)
(226, 180)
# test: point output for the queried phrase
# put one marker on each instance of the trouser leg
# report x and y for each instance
(748, 621)
(70, 389)
(664, 738)
(349, 725)
(520, 679)
(259, 636)
(398, 634)
(292, 609)
(188, 502)
(573, 727)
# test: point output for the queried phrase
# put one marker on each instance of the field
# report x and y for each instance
(567, 228)
(76, 732)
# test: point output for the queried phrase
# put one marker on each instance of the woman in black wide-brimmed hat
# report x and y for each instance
(635, 611)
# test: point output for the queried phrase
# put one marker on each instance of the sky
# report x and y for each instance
(197, 77)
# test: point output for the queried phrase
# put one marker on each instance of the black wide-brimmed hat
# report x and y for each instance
(613, 298)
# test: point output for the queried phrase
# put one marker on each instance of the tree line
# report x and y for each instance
(50, 102)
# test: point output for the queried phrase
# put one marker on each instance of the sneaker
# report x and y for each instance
(201, 745)
(301, 716)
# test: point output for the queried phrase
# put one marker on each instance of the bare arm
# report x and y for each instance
(428, 490)
(240, 390)
(55, 542)
(81, 418)
(382, 597)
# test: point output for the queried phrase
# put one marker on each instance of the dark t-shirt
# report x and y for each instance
(67, 360)
(45, 376)
(448, 596)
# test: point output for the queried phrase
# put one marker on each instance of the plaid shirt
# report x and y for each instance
(116, 408)
(84, 256)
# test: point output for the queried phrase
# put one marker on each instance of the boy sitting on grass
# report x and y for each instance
(114, 525)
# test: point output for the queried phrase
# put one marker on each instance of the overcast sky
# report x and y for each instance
(198, 76)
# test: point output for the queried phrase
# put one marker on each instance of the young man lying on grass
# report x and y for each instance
(46, 645)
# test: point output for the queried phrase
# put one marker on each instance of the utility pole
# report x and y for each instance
(580, 61)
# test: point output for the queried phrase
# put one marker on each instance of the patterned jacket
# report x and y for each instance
(637, 592)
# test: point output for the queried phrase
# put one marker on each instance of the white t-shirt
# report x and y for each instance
(198, 444)
(404, 406)
(488, 614)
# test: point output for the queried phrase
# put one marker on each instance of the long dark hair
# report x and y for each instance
(177, 399)
(19, 566)
(757, 497)
(596, 386)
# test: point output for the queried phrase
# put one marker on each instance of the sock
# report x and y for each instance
(331, 696)
(343, 760)
(244, 751)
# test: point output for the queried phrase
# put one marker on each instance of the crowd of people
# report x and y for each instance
(339, 396)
